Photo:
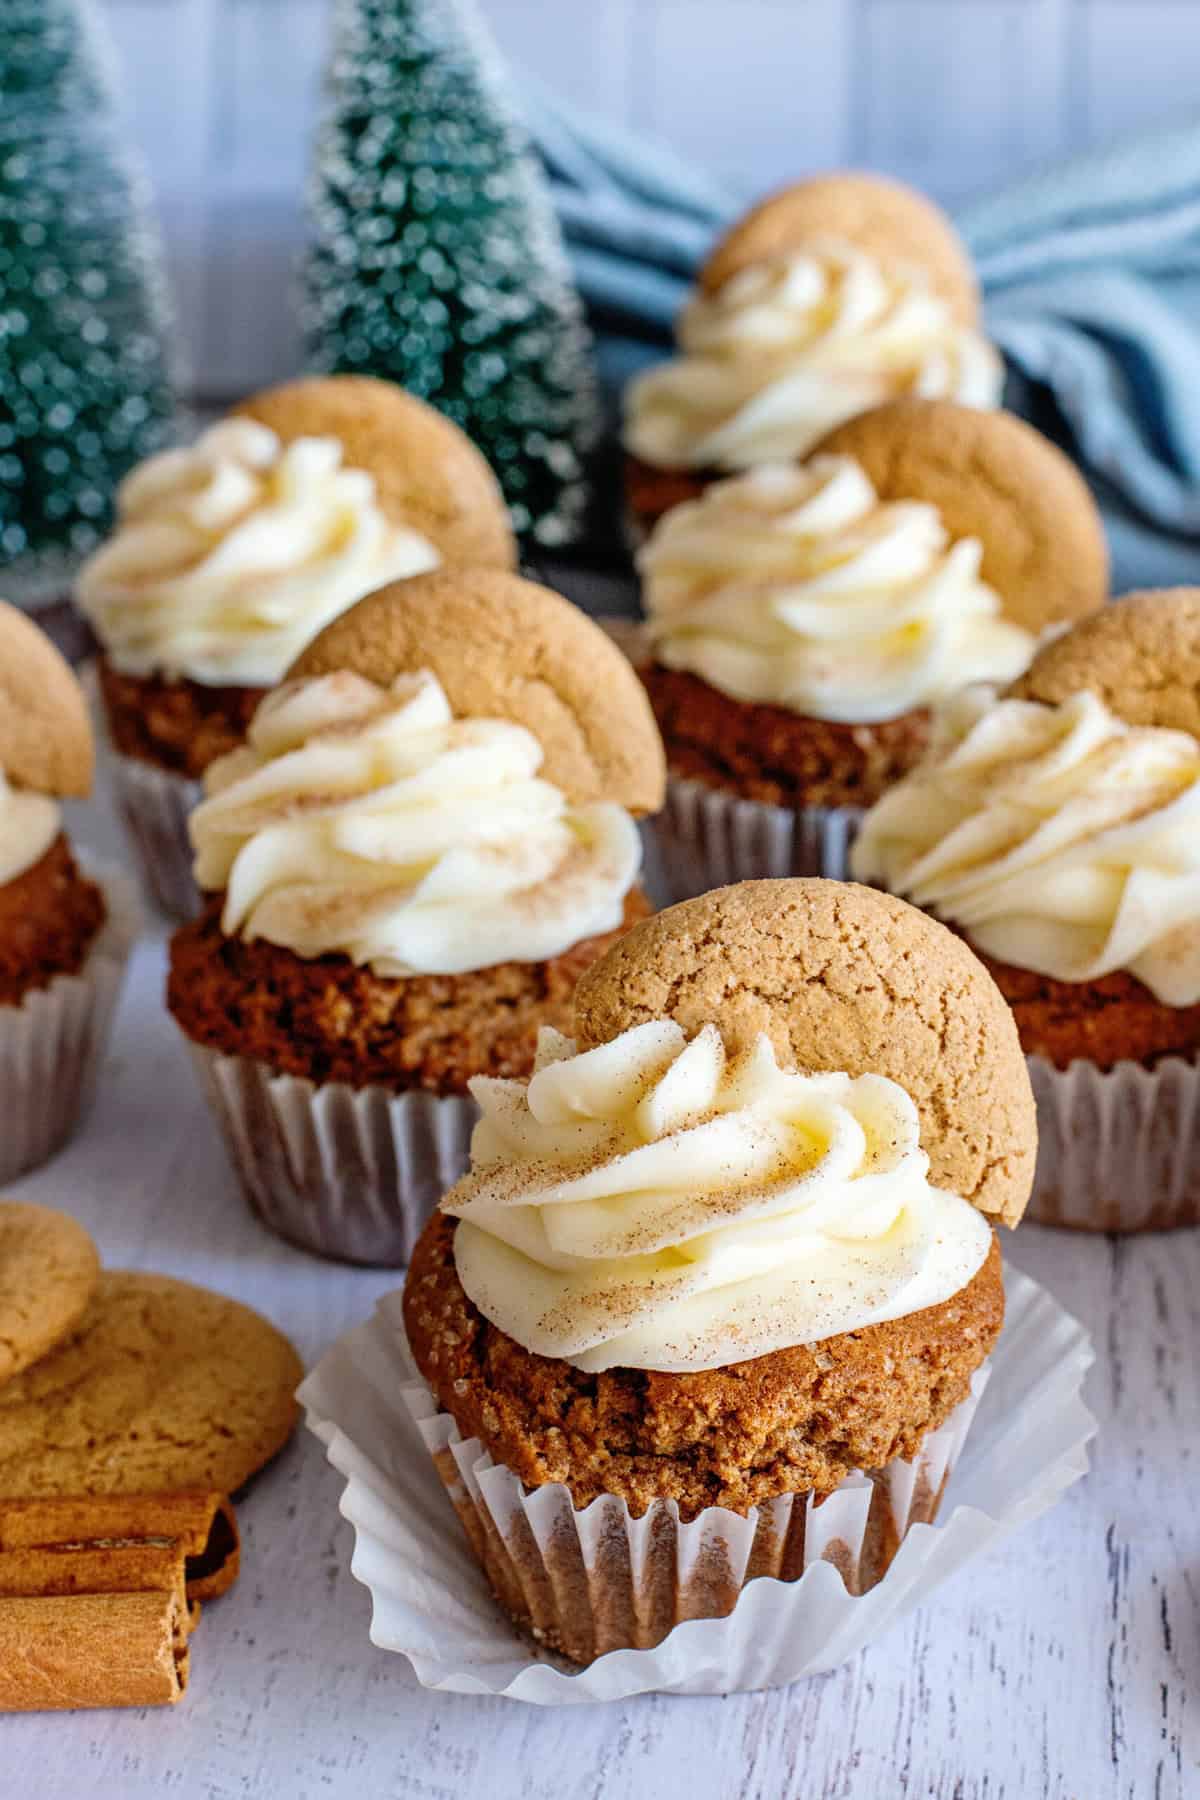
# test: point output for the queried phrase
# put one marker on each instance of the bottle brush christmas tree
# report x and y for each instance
(84, 381)
(436, 258)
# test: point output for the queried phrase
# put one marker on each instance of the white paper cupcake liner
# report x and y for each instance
(432, 1603)
(52, 1045)
(154, 805)
(591, 1581)
(1118, 1149)
(350, 1173)
(708, 838)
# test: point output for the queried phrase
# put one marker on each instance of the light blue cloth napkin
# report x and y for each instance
(1091, 274)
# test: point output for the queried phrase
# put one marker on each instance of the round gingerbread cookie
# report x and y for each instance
(48, 1273)
(45, 733)
(428, 474)
(841, 978)
(505, 648)
(890, 222)
(993, 477)
(164, 1387)
(1141, 656)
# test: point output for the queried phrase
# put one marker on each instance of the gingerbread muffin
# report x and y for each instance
(804, 618)
(426, 839)
(64, 935)
(229, 556)
(827, 299)
(643, 1291)
(1057, 827)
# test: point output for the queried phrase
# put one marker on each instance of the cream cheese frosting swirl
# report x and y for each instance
(792, 346)
(1059, 838)
(29, 824)
(653, 1204)
(798, 587)
(230, 556)
(371, 822)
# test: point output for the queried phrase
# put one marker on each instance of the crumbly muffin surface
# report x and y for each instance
(50, 916)
(797, 1420)
(329, 1020)
(770, 754)
(179, 724)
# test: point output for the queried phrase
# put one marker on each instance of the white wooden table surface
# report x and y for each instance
(1065, 1665)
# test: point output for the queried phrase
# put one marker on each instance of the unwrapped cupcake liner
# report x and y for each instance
(154, 805)
(433, 1604)
(53, 1043)
(350, 1173)
(708, 838)
(1119, 1148)
(589, 1581)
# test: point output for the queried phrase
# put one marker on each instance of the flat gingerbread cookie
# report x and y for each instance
(505, 648)
(1141, 656)
(164, 1387)
(45, 733)
(48, 1273)
(992, 477)
(841, 978)
(890, 222)
(428, 474)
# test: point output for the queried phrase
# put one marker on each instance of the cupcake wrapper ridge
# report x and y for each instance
(1118, 1149)
(154, 805)
(53, 1043)
(708, 838)
(350, 1173)
(585, 1582)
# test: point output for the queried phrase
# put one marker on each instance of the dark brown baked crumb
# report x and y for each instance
(331, 1021)
(178, 724)
(794, 1421)
(1110, 1020)
(49, 918)
(770, 754)
(651, 492)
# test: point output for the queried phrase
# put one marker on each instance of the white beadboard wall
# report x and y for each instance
(955, 95)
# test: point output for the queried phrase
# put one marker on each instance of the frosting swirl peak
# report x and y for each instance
(1059, 838)
(371, 822)
(231, 555)
(652, 1204)
(790, 347)
(798, 587)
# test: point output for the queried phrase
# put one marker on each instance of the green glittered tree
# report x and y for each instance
(436, 258)
(85, 388)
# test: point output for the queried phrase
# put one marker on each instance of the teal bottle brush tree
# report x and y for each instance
(85, 382)
(435, 257)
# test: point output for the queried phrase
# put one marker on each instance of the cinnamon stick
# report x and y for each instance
(98, 1595)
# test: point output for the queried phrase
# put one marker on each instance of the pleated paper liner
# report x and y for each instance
(708, 838)
(591, 1581)
(52, 1045)
(793, 1609)
(154, 804)
(1118, 1149)
(350, 1173)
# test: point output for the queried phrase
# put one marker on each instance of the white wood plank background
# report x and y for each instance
(1066, 1666)
(955, 95)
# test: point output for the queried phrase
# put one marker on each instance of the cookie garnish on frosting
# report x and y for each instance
(799, 587)
(368, 820)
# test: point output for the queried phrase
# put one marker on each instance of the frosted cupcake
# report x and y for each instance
(829, 298)
(64, 935)
(804, 618)
(428, 836)
(1058, 828)
(229, 556)
(716, 1298)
